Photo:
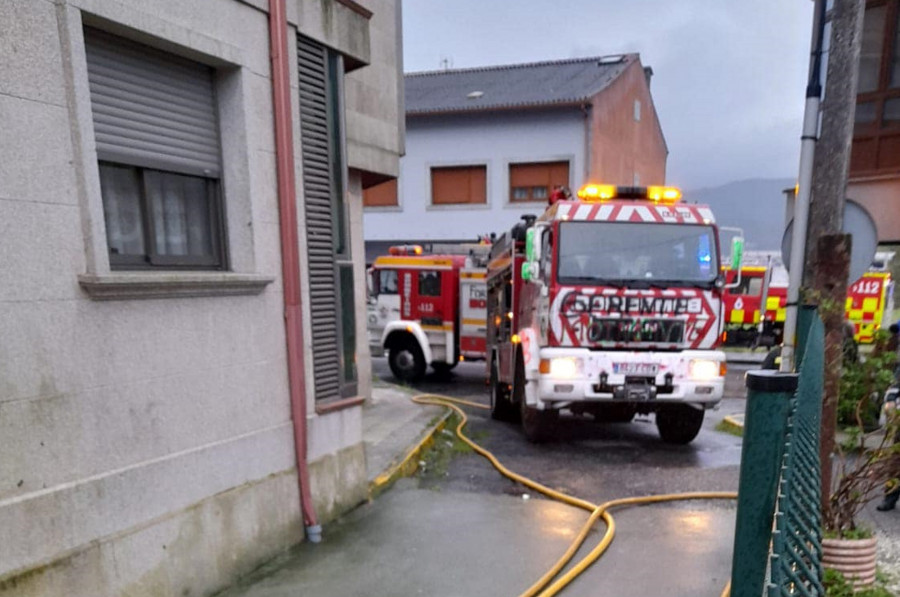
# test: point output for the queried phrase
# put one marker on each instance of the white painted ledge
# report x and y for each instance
(156, 285)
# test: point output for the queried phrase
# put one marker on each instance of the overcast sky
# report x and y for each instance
(729, 74)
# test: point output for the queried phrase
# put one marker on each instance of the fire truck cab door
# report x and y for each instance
(427, 301)
(473, 314)
(430, 303)
(385, 307)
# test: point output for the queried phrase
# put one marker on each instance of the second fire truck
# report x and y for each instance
(428, 309)
(609, 305)
(869, 305)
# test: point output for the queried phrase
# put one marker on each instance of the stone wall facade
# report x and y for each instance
(146, 439)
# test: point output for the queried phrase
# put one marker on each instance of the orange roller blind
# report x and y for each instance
(535, 181)
(381, 195)
(459, 185)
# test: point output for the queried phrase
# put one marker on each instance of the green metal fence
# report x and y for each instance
(777, 546)
(796, 557)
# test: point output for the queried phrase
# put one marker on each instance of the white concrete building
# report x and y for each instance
(486, 145)
(151, 425)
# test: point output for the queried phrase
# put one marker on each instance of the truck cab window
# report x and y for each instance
(387, 282)
(749, 286)
(429, 283)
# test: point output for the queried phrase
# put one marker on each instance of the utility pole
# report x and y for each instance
(831, 164)
(827, 249)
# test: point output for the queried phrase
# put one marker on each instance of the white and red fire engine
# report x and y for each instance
(609, 305)
(428, 309)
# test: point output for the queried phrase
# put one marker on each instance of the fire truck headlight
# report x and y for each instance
(561, 367)
(704, 369)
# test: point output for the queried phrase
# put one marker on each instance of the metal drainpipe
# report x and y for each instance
(290, 256)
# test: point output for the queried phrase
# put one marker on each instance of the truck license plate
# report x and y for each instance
(636, 368)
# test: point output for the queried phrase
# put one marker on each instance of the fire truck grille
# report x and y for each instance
(656, 331)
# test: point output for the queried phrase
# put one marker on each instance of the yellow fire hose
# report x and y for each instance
(540, 587)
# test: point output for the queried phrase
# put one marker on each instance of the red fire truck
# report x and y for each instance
(869, 306)
(608, 305)
(427, 309)
(746, 323)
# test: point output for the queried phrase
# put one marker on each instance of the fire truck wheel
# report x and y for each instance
(502, 409)
(539, 425)
(679, 423)
(406, 361)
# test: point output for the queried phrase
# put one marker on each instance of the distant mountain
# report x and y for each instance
(756, 205)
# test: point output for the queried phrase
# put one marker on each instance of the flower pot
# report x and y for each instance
(854, 558)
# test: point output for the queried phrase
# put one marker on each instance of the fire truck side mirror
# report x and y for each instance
(530, 272)
(532, 248)
(737, 252)
(737, 260)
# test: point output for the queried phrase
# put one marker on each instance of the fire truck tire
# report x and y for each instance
(502, 409)
(679, 423)
(539, 425)
(406, 360)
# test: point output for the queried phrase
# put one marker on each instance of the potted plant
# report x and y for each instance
(867, 461)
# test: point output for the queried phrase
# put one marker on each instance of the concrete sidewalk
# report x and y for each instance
(395, 430)
(412, 541)
(420, 542)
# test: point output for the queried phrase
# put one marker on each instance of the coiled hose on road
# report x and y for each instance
(546, 586)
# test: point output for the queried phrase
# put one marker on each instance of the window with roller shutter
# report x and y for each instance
(330, 267)
(381, 195)
(458, 185)
(157, 138)
(536, 180)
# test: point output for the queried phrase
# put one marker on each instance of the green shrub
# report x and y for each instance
(863, 383)
(837, 586)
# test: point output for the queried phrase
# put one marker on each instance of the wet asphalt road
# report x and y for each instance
(595, 461)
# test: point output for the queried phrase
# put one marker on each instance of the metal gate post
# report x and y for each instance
(765, 428)
(805, 316)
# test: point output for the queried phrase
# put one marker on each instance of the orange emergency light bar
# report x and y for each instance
(602, 192)
(405, 250)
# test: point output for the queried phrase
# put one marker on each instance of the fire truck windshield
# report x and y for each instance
(637, 254)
